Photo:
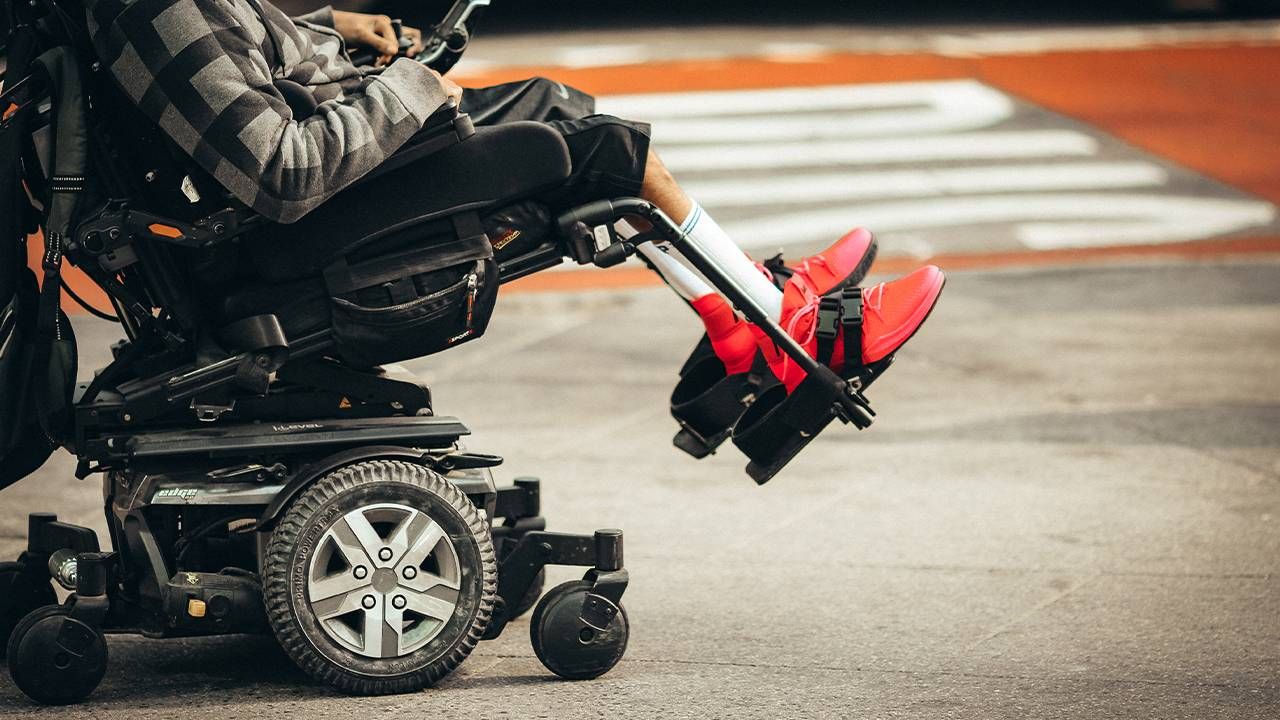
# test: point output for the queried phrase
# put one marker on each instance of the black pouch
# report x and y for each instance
(412, 304)
(517, 229)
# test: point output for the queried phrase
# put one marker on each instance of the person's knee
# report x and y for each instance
(656, 172)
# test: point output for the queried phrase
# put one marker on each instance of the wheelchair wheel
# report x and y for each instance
(55, 659)
(567, 646)
(21, 591)
(380, 578)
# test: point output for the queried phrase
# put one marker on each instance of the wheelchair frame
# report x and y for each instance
(191, 444)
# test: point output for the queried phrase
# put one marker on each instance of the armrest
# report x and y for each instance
(445, 128)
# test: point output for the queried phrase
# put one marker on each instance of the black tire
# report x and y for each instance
(21, 591)
(565, 644)
(531, 595)
(306, 523)
(44, 668)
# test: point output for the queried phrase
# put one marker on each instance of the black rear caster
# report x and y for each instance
(22, 589)
(569, 647)
(56, 659)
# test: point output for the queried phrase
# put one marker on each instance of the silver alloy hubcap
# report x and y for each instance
(407, 598)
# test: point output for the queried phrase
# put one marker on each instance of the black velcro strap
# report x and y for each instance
(840, 313)
(851, 326)
(828, 326)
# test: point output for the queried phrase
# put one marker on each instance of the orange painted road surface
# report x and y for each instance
(1212, 109)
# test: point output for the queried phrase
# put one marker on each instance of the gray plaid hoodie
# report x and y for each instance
(203, 70)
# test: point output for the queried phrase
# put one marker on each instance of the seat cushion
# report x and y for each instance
(496, 166)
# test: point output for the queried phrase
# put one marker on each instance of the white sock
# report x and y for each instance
(671, 265)
(687, 283)
(703, 231)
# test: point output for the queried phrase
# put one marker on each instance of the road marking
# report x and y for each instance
(947, 166)
(597, 55)
(792, 45)
(960, 146)
(951, 99)
(1041, 221)
(827, 186)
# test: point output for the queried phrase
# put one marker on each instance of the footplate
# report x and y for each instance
(707, 402)
(779, 425)
(601, 552)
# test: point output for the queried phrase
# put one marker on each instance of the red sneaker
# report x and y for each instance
(891, 313)
(845, 263)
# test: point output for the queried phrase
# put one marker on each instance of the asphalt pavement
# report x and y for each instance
(1069, 506)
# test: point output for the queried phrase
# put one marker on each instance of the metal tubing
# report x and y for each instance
(721, 280)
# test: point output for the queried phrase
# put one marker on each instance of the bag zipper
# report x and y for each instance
(472, 282)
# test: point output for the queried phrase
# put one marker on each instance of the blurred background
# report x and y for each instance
(521, 16)
(1069, 504)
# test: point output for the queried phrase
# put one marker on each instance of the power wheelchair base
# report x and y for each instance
(258, 478)
(57, 653)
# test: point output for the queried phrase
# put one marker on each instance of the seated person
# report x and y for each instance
(204, 71)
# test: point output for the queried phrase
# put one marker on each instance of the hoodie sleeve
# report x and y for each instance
(197, 69)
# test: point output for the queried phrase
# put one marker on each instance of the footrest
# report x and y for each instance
(707, 402)
(778, 425)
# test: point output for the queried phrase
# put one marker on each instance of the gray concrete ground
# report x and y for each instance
(1069, 507)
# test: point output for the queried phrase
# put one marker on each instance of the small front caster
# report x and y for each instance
(569, 647)
(56, 659)
(22, 589)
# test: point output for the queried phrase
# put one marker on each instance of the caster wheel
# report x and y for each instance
(56, 659)
(531, 596)
(380, 578)
(565, 644)
(21, 591)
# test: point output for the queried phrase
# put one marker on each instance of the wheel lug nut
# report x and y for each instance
(384, 554)
(398, 602)
(410, 572)
(361, 572)
(368, 602)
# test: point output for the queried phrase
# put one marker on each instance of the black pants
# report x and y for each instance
(607, 155)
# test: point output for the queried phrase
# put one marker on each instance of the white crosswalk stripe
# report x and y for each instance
(942, 166)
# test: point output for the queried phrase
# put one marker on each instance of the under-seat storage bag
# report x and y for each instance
(412, 304)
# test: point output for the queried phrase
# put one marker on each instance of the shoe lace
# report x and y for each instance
(804, 271)
(793, 323)
(764, 270)
(872, 300)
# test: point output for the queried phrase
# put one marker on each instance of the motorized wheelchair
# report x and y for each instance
(265, 466)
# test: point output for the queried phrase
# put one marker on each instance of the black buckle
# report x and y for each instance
(840, 312)
(851, 323)
(830, 314)
(851, 306)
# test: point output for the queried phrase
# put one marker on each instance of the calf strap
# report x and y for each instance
(840, 312)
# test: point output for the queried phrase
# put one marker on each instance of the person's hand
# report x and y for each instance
(415, 35)
(451, 88)
(374, 31)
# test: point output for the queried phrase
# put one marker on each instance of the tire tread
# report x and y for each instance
(285, 536)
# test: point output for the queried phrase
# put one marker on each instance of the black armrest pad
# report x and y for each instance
(444, 128)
